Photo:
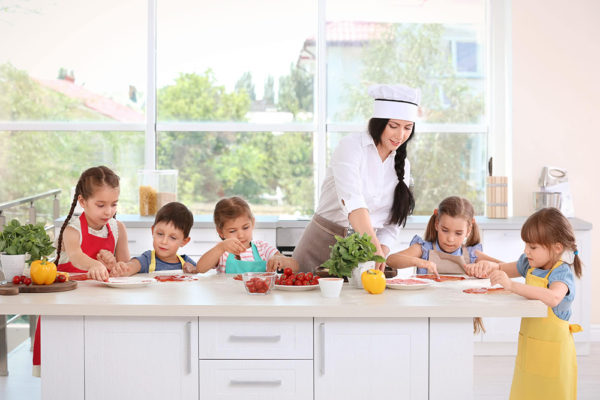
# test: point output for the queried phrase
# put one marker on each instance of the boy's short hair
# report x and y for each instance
(177, 214)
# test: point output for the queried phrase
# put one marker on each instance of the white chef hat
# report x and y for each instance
(395, 102)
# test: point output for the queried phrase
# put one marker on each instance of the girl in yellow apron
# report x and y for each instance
(546, 363)
(238, 252)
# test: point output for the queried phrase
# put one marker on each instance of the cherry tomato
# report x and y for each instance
(61, 278)
(298, 283)
(308, 276)
(16, 279)
(22, 278)
(300, 276)
(27, 281)
(314, 282)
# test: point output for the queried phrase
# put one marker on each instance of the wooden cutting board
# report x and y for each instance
(12, 289)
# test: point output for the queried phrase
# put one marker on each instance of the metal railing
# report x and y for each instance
(32, 220)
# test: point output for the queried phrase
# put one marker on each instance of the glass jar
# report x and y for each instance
(156, 188)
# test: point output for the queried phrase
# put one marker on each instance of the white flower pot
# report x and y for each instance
(13, 265)
(355, 278)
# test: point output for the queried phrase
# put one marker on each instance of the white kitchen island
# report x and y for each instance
(208, 339)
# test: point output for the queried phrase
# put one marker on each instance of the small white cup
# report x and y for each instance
(331, 287)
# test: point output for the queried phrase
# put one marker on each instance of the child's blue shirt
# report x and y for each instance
(146, 258)
(563, 273)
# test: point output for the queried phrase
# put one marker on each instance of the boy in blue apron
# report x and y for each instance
(238, 252)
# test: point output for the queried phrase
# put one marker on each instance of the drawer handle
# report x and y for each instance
(236, 382)
(322, 329)
(131, 241)
(188, 333)
(247, 338)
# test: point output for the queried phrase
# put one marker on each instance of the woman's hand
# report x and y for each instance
(232, 246)
(98, 272)
(481, 269)
(274, 263)
(430, 266)
(380, 252)
(500, 278)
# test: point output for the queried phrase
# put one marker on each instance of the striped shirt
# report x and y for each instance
(265, 251)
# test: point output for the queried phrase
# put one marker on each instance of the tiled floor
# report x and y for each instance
(492, 378)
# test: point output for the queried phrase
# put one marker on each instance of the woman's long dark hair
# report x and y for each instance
(404, 201)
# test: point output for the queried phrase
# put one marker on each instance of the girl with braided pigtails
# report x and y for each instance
(82, 238)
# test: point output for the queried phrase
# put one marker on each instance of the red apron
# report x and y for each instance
(91, 246)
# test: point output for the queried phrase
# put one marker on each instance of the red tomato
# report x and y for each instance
(16, 279)
(298, 283)
(308, 276)
(300, 276)
(316, 277)
(27, 281)
(314, 282)
(22, 278)
(287, 271)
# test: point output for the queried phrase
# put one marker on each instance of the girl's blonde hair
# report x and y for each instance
(454, 206)
(90, 180)
(549, 226)
(230, 208)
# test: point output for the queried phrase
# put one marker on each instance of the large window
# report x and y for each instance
(242, 98)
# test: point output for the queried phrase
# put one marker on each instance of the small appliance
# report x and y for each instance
(554, 191)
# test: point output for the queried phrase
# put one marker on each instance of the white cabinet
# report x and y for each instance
(256, 379)
(141, 358)
(388, 358)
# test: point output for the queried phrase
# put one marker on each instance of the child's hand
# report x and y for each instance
(98, 272)
(120, 269)
(500, 277)
(275, 263)
(431, 267)
(107, 258)
(481, 269)
(189, 268)
(233, 246)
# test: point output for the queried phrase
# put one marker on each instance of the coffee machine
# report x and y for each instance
(555, 191)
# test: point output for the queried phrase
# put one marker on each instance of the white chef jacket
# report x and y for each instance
(357, 178)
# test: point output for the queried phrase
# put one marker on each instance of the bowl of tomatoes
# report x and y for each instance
(259, 282)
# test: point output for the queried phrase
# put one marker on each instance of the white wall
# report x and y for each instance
(556, 107)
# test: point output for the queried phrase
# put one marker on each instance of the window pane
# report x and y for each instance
(235, 61)
(442, 165)
(408, 42)
(273, 171)
(73, 60)
(36, 162)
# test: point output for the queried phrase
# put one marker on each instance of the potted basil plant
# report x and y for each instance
(352, 255)
(22, 244)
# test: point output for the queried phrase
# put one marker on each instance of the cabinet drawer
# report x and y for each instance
(256, 379)
(256, 338)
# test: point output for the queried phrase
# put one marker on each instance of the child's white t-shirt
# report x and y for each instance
(265, 251)
(103, 233)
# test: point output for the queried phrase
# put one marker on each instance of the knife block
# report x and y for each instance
(497, 197)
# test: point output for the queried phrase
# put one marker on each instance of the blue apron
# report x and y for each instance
(234, 266)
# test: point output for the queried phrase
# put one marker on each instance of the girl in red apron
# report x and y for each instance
(546, 363)
(81, 239)
(238, 252)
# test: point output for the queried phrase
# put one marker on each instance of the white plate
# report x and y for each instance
(291, 288)
(128, 282)
(415, 286)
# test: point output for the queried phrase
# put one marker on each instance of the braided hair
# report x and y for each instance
(404, 201)
(90, 179)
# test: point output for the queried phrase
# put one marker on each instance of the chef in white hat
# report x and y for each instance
(366, 186)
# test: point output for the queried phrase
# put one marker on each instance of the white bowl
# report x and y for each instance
(331, 287)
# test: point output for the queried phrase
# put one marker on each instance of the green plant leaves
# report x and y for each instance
(347, 252)
(20, 239)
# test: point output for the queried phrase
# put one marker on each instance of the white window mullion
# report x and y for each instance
(232, 127)
(320, 136)
(150, 128)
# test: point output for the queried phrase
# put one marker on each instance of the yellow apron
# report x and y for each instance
(546, 364)
(152, 265)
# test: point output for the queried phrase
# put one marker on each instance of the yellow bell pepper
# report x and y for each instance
(373, 281)
(43, 272)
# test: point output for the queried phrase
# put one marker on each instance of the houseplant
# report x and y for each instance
(350, 256)
(20, 244)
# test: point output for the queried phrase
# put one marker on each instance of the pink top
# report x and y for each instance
(265, 250)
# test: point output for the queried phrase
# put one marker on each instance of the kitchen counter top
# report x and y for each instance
(220, 295)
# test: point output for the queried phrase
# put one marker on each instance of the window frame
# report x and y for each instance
(496, 63)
